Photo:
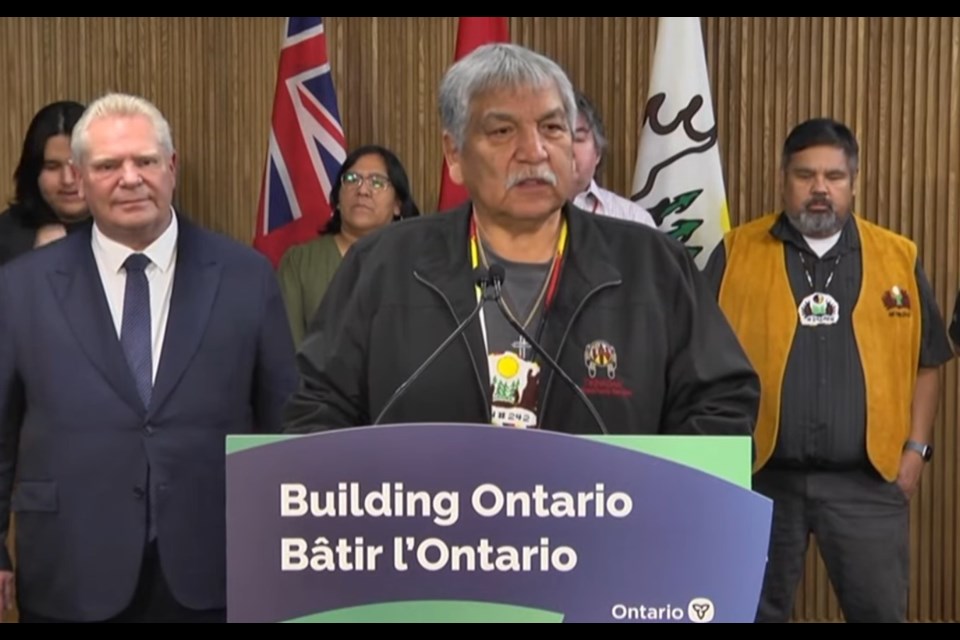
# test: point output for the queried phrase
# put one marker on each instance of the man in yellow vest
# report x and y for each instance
(839, 320)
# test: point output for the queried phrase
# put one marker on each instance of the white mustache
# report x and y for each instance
(543, 173)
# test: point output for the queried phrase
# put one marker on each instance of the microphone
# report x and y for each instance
(497, 275)
(482, 278)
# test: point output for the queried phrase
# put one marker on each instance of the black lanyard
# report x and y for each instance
(810, 278)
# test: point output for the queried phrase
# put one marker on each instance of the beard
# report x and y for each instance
(817, 224)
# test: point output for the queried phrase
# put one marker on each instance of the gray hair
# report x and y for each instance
(119, 104)
(495, 66)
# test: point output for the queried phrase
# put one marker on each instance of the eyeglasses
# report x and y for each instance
(353, 180)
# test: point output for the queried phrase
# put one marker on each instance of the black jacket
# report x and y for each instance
(401, 291)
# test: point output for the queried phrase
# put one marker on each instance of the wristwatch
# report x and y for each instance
(925, 450)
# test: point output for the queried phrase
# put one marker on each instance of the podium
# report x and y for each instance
(473, 523)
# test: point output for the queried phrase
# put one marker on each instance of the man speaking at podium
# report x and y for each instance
(517, 308)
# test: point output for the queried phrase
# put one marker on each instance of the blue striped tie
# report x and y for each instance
(135, 333)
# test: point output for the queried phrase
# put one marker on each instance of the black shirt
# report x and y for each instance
(17, 237)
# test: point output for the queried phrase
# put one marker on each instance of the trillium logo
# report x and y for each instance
(701, 610)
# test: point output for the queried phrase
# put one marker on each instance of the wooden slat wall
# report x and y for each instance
(895, 81)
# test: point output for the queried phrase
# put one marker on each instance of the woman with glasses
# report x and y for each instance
(371, 191)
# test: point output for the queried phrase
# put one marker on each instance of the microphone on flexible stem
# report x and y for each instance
(497, 275)
(482, 279)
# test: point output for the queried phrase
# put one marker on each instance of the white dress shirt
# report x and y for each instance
(110, 255)
(607, 203)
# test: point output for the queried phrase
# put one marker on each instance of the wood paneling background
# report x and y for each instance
(895, 81)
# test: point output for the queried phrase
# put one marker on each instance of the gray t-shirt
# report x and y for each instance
(514, 373)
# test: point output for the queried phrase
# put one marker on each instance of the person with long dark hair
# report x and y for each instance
(371, 191)
(47, 201)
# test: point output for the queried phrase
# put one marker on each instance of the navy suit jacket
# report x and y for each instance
(76, 440)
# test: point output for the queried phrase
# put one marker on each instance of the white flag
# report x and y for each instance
(678, 177)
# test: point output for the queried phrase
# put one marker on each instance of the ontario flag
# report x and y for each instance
(678, 176)
(307, 146)
(471, 33)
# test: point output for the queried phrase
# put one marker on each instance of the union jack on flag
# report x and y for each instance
(307, 146)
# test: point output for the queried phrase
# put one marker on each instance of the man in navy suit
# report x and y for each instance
(128, 352)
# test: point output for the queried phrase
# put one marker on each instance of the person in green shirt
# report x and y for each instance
(371, 191)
